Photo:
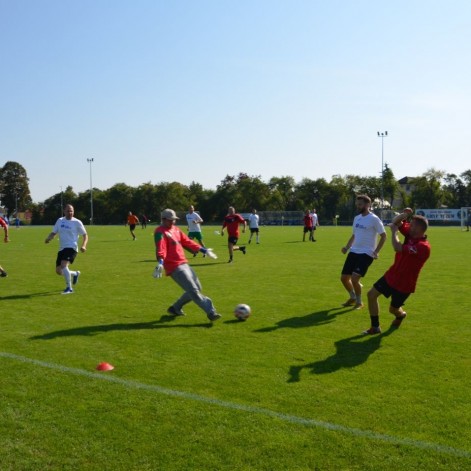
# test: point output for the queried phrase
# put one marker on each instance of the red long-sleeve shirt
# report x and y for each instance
(169, 244)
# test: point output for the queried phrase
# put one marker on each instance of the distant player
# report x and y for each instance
(170, 243)
(232, 222)
(401, 278)
(253, 226)
(307, 225)
(144, 220)
(363, 250)
(69, 230)
(132, 221)
(194, 222)
(3, 224)
(315, 224)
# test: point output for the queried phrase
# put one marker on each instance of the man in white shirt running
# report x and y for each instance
(363, 250)
(194, 222)
(69, 230)
(253, 226)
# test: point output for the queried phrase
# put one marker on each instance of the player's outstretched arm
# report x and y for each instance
(396, 243)
(50, 237)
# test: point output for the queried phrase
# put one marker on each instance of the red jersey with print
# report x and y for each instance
(232, 221)
(3, 223)
(308, 222)
(403, 274)
(169, 244)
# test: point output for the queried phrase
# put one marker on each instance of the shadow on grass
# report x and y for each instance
(349, 354)
(294, 242)
(165, 322)
(314, 318)
(29, 295)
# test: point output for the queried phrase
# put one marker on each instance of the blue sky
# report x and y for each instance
(194, 90)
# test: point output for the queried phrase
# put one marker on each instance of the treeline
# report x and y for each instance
(433, 189)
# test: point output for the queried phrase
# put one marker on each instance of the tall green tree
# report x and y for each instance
(14, 187)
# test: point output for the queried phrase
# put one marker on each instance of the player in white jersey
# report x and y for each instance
(363, 250)
(69, 230)
(315, 224)
(253, 226)
(194, 222)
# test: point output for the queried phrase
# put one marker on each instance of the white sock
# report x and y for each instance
(72, 273)
(66, 273)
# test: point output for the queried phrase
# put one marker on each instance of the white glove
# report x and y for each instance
(211, 254)
(158, 271)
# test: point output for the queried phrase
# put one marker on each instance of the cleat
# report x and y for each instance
(250, 241)
(67, 291)
(230, 260)
(214, 316)
(398, 320)
(175, 312)
(3, 274)
(359, 306)
(242, 249)
(350, 302)
(372, 331)
(75, 278)
(195, 254)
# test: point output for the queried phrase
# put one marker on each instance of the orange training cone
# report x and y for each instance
(105, 367)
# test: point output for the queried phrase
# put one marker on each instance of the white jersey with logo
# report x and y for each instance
(69, 231)
(366, 229)
(253, 221)
(315, 219)
(193, 220)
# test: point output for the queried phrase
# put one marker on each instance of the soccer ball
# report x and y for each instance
(242, 311)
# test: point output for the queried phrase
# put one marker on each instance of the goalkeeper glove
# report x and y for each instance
(159, 269)
(208, 252)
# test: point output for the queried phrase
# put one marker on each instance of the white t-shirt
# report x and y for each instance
(69, 232)
(366, 229)
(193, 220)
(314, 219)
(253, 221)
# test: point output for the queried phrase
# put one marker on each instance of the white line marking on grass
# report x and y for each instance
(293, 419)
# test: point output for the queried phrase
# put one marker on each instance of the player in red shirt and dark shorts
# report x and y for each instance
(401, 278)
(232, 222)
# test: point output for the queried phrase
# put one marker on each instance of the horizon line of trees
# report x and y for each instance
(432, 189)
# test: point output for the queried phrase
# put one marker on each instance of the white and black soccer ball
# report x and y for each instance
(242, 311)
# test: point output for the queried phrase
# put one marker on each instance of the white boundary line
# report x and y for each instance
(293, 419)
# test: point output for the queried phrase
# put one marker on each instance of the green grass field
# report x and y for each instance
(293, 388)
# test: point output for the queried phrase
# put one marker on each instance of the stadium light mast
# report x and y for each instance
(382, 135)
(90, 161)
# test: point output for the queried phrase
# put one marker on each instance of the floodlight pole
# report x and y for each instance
(90, 161)
(382, 135)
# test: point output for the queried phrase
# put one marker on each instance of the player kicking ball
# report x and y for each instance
(170, 243)
(399, 282)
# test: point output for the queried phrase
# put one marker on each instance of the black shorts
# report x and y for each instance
(232, 240)
(67, 255)
(357, 263)
(132, 227)
(307, 229)
(254, 230)
(397, 298)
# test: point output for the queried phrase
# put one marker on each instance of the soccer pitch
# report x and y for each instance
(295, 387)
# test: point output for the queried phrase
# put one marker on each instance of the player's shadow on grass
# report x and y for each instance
(165, 322)
(349, 353)
(29, 295)
(314, 318)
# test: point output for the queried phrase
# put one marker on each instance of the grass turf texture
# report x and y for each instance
(299, 354)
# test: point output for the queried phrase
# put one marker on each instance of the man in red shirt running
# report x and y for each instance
(232, 221)
(3, 224)
(170, 243)
(401, 278)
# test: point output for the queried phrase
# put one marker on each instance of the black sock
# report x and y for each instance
(375, 321)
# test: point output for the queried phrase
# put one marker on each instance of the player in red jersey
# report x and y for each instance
(401, 278)
(3, 224)
(308, 225)
(232, 222)
(170, 243)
